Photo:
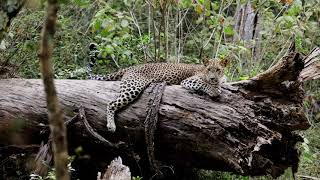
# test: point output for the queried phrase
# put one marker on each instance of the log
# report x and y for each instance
(248, 129)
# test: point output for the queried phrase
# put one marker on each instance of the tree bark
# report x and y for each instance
(247, 28)
(248, 129)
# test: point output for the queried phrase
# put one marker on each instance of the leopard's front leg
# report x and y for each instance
(111, 109)
(129, 91)
(195, 83)
(211, 90)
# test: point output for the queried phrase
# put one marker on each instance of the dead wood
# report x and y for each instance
(117, 171)
(247, 27)
(248, 130)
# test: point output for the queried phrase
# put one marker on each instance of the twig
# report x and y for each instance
(94, 133)
(218, 46)
(283, 8)
(115, 62)
(154, 33)
(205, 45)
(308, 177)
(278, 55)
(182, 18)
(219, 14)
(179, 36)
(135, 22)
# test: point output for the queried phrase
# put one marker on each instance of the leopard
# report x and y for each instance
(205, 78)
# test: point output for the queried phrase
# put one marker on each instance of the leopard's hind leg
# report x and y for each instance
(129, 91)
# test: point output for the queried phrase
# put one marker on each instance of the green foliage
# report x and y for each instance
(217, 175)
(136, 178)
(8, 9)
(52, 172)
(310, 152)
(117, 44)
(70, 53)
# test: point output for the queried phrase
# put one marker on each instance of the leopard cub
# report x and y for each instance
(205, 78)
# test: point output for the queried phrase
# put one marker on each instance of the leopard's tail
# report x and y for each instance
(108, 77)
(93, 56)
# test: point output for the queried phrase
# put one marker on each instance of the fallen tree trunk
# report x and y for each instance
(248, 130)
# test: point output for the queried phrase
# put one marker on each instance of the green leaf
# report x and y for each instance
(215, 6)
(198, 8)
(186, 3)
(82, 3)
(109, 49)
(228, 31)
(244, 77)
(214, 20)
(97, 25)
(207, 5)
(63, 1)
(295, 9)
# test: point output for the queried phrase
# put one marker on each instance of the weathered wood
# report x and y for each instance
(193, 130)
(247, 27)
(117, 171)
(247, 130)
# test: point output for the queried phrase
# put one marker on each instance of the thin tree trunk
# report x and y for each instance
(57, 127)
(247, 28)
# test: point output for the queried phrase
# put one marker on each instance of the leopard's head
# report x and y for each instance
(214, 70)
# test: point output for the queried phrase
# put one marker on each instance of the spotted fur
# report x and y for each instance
(135, 79)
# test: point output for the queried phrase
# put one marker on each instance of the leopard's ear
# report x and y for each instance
(206, 61)
(224, 62)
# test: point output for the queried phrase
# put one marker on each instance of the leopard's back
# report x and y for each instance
(171, 73)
